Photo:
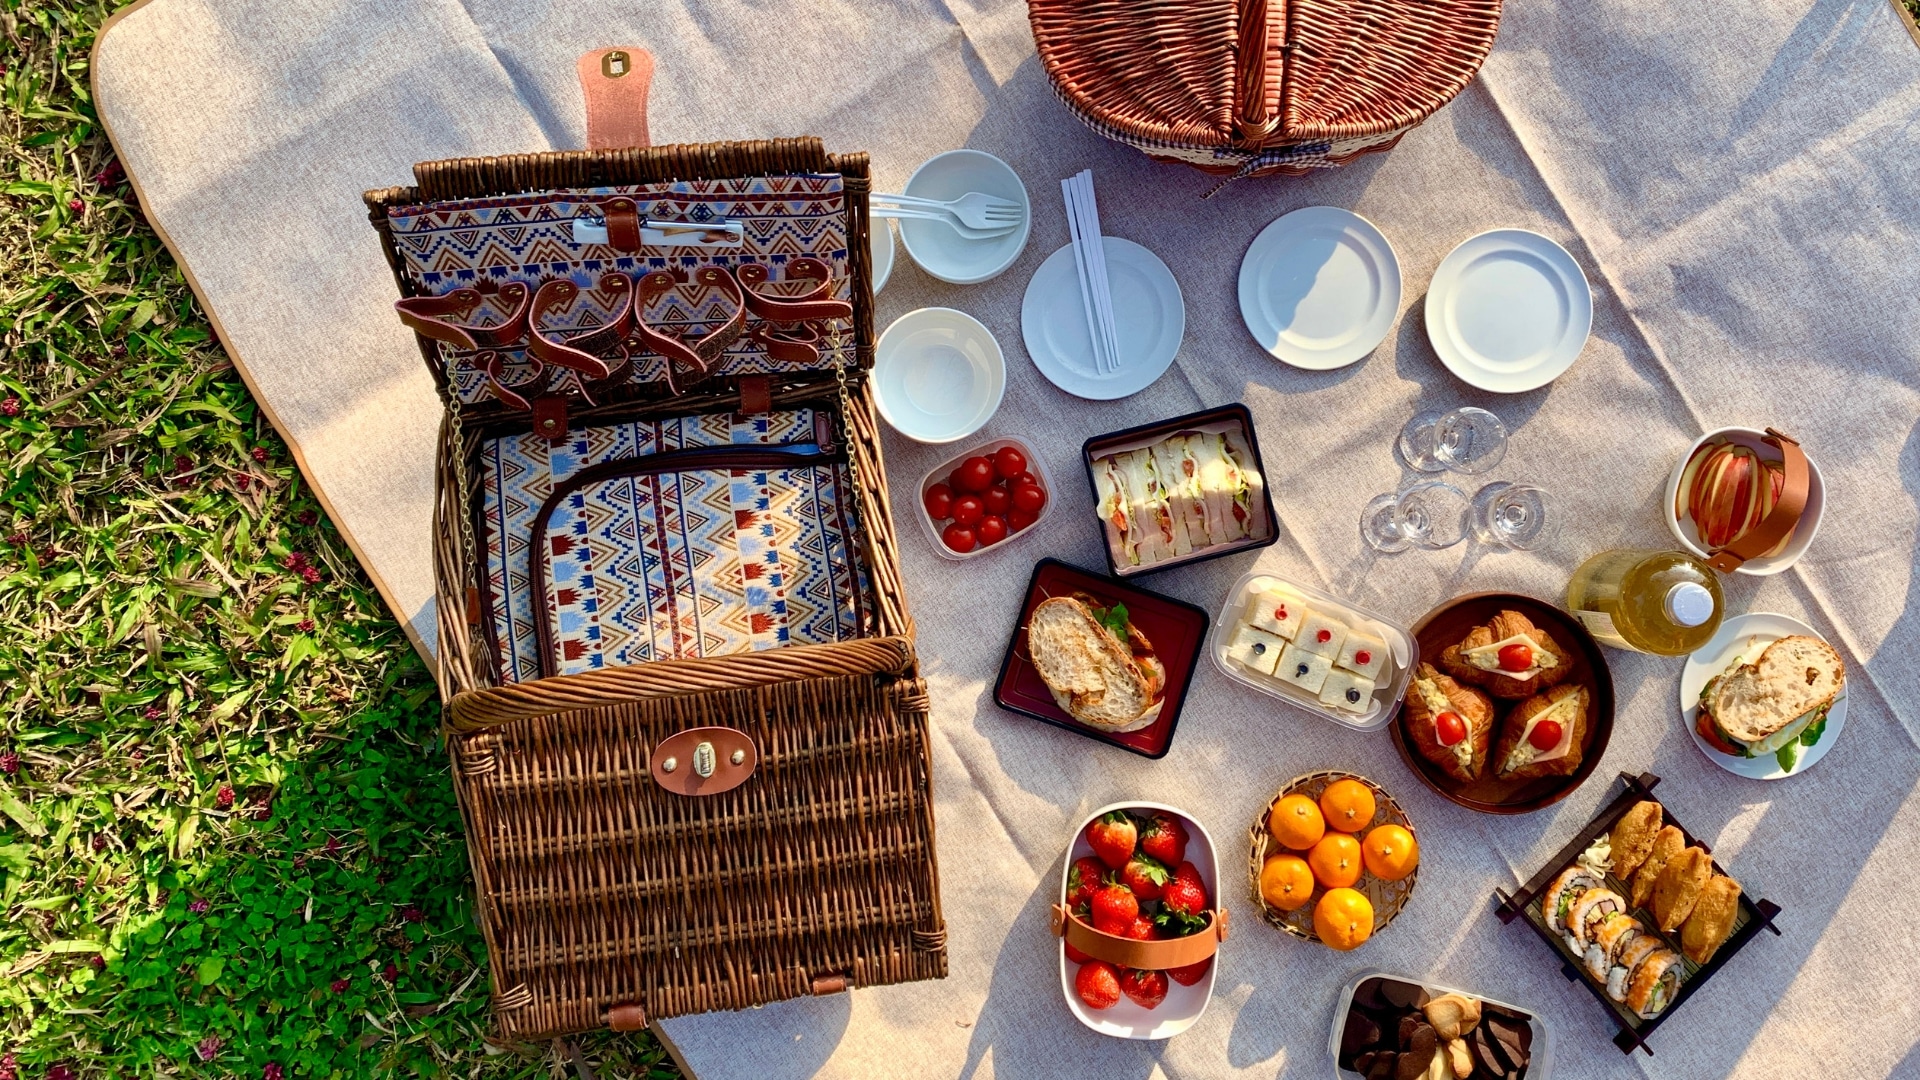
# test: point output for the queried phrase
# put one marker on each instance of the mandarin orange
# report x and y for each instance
(1343, 919)
(1348, 805)
(1286, 882)
(1390, 852)
(1296, 822)
(1336, 860)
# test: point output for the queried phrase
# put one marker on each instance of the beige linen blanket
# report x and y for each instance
(1739, 185)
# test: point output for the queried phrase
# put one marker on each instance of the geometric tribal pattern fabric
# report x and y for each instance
(669, 565)
(484, 243)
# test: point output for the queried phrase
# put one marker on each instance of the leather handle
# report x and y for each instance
(627, 1017)
(697, 357)
(615, 82)
(1251, 122)
(1787, 509)
(1145, 955)
(830, 983)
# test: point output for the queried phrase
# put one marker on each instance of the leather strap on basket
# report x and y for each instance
(448, 318)
(1147, 955)
(814, 303)
(584, 351)
(696, 358)
(614, 83)
(1787, 509)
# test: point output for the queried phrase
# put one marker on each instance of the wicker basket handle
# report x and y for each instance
(1251, 122)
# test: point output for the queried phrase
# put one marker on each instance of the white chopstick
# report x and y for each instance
(1069, 191)
(1097, 265)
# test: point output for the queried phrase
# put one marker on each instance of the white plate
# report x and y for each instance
(1183, 1004)
(1685, 531)
(946, 254)
(1149, 319)
(938, 375)
(1509, 311)
(880, 245)
(1319, 288)
(1745, 636)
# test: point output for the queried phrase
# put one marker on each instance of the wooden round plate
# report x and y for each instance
(1387, 897)
(1444, 627)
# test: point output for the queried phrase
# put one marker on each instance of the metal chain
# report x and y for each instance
(467, 545)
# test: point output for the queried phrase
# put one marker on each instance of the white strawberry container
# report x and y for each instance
(1183, 1004)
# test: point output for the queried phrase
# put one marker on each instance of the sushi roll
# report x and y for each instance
(1654, 983)
(1639, 948)
(1604, 944)
(1588, 912)
(1560, 895)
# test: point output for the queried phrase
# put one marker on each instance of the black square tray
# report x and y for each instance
(1633, 1032)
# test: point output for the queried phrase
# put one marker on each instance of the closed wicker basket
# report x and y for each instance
(1253, 87)
(606, 896)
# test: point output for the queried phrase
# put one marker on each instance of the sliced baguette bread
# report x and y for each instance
(1092, 674)
(1791, 678)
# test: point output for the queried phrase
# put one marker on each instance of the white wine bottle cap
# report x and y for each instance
(1689, 604)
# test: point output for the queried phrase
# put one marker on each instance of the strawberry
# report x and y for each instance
(1114, 909)
(1075, 955)
(1143, 929)
(1083, 879)
(1183, 902)
(1144, 876)
(1191, 974)
(1146, 989)
(1112, 837)
(1098, 984)
(1164, 838)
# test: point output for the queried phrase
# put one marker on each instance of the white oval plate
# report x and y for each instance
(938, 375)
(1745, 636)
(1149, 319)
(1320, 287)
(1509, 311)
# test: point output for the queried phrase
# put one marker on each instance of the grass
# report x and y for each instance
(228, 844)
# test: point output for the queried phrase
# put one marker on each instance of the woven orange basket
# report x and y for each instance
(1257, 87)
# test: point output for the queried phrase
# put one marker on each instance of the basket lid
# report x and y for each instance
(1249, 75)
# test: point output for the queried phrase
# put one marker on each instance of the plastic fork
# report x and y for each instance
(975, 209)
(999, 229)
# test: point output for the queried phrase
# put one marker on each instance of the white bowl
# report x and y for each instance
(1183, 1004)
(880, 247)
(1684, 530)
(940, 250)
(940, 473)
(938, 375)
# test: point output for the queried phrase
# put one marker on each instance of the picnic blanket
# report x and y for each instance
(1737, 185)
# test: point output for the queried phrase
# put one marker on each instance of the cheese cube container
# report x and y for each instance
(1338, 661)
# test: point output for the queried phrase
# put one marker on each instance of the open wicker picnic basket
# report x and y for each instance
(686, 723)
(1253, 87)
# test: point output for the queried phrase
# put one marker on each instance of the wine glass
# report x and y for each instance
(1416, 444)
(1514, 516)
(1430, 514)
(1469, 440)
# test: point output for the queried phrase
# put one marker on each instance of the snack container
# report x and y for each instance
(1540, 1068)
(1183, 1004)
(1388, 689)
(1804, 530)
(1177, 629)
(1235, 416)
(1525, 904)
(939, 474)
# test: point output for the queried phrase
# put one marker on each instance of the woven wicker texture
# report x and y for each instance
(605, 899)
(1255, 75)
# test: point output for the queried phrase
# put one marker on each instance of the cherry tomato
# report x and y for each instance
(992, 530)
(1018, 519)
(997, 498)
(968, 510)
(1546, 735)
(939, 502)
(1009, 463)
(1016, 480)
(959, 537)
(1516, 657)
(974, 474)
(1450, 728)
(1029, 497)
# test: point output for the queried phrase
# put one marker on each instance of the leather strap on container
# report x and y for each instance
(623, 223)
(1787, 509)
(448, 318)
(695, 359)
(756, 395)
(615, 82)
(580, 352)
(1147, 955)
(814, 303)
(627, 1017)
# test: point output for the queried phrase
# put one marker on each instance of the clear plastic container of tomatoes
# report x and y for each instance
(944, 477)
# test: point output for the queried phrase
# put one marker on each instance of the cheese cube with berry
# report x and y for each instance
(1345, 690)
(1321, 634)
(1277, 611)
(1254, 648)
(1363, 653)
(1304, 669)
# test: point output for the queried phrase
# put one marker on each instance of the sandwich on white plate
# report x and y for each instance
(1099, 667)
(1775, 703)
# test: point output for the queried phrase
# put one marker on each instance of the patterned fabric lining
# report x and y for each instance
(483, 243)
(669, 565)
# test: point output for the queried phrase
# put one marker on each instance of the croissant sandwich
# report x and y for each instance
(1544, 735)
(1451, 725)
(1509, 657)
